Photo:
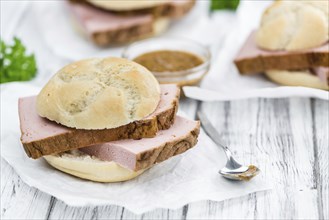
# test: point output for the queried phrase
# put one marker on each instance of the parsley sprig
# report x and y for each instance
(224, 4)
(15, 63)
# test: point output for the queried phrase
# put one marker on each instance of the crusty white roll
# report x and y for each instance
(83, 166)
(127, 5)
(294, 25)
(296, 78)
(99, 94)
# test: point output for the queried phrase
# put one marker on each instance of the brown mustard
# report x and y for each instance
(168, 60)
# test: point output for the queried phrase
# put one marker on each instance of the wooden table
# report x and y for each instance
(287, 138)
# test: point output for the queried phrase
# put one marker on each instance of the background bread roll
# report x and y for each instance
(83, 166)
(126, 5)
(99, 94)
(296, 78)
(294, 25)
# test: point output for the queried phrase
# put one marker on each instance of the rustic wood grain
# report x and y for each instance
(18, 200)
(320, 117)
(286, 138)
(277, 136)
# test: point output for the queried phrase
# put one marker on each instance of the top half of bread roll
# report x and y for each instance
(294, 25)
(99, 94)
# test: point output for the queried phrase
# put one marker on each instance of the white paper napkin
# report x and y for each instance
(276, 92)
(180, 180)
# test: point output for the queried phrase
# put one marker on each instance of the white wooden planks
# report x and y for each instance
(320, 116)
(18, 200)
(286, 138)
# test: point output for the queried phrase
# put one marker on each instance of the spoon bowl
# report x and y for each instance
(243, 173)
(232, 170)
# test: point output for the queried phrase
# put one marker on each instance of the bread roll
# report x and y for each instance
(294, 25)
(83, 166)
(99, 94)
(296, 78)
(127, 5)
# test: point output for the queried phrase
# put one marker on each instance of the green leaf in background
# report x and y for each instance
(15, 64)
(224, 4)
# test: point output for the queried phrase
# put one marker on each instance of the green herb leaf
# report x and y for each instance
(15, 64)
(224, 4)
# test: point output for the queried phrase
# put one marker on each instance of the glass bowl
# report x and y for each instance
(192, 76)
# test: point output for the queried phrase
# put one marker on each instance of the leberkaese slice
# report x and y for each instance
(141, 154)
(41, 136)
(322, 73)
(123, 160)
(251, 59)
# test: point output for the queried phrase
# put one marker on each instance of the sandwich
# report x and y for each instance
(107, 22)
(291, 45)
(105, 120)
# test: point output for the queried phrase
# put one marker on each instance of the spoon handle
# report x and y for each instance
(214, 135)
(209, 129)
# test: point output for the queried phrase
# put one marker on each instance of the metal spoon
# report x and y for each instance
(232, 170)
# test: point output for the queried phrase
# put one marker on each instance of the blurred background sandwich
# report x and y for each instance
(291, 45)
(107, 22)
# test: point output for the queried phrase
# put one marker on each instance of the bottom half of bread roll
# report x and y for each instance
(315, 78)
(81, 165)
